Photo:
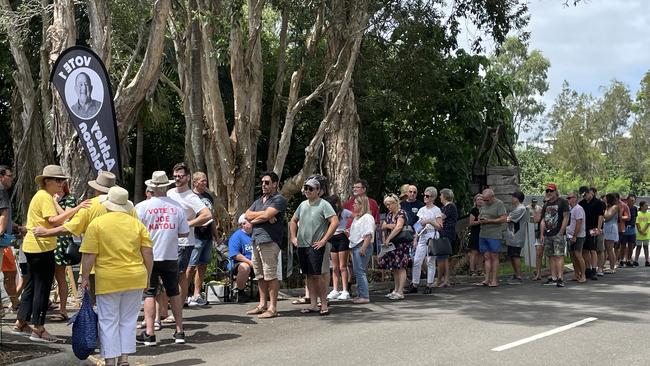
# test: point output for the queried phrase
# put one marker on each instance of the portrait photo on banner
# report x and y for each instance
(84, 92)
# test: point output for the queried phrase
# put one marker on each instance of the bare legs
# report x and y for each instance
(62, 285)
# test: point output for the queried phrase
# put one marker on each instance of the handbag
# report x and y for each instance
(405, 235)
(439, 246)
(72, 252)
(84, 329)
(7, 240)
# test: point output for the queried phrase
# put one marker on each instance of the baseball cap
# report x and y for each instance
(551, 186)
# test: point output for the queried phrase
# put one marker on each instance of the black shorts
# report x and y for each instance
(311, 260)
(168, 272)
(629, 239)
(235, 270)
(591, 243)
(473, 243)
(514, 252)
(340, 243)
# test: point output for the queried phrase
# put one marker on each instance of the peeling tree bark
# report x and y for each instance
(231, 155)
(293, 184)
(61, 35)
(278, 86)
(128, 100)
(31, 142)
(337, 130)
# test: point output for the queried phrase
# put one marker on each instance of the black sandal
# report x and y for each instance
(59, 318)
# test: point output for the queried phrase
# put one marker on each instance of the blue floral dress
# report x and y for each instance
(398, 258)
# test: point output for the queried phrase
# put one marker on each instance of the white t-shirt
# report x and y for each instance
(192, 204)
(577, 213)
(361, 226)
(165, 219)
(429, 214)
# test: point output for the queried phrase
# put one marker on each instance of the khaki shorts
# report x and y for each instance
(600, 243)
(265, 260)
(554, 245)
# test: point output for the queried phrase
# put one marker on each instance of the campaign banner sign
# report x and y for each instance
(80, 77)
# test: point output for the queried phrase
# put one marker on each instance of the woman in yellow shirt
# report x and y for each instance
(119, 247)
(40, 255)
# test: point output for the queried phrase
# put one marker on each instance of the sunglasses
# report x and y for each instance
(426, 196)
(550, 190)
(180, 176)
(266, 182)
(570, 197)
(413, 191)
(308, 188)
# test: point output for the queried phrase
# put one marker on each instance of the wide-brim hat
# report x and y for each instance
(51, 171)
(404, 190)
(117, 200)
(104, 181)
(158, 179)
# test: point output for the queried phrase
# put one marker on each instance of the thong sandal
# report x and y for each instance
(24, 331)
(59, 318)
(41, 337)
(256, 310)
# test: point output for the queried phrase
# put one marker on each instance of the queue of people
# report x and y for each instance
(157, 248)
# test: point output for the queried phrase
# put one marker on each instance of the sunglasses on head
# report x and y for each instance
(308, 188)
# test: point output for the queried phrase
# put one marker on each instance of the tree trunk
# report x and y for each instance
(99, 15)
(30, 139)
(138, 194)
(342, 146)
(278, 86)
(62, 35)
(128, 99)
(342, 140)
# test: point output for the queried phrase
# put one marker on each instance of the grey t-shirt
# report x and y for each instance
(5, 204)
(492, 212)
(313, 221)
(267, 232)
(517, 226)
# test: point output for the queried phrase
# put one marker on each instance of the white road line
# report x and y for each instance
(542, 335)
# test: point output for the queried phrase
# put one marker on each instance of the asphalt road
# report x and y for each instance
(455, 326)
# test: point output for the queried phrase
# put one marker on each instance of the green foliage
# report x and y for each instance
(526, 73)
(600, 142)
(424, 105)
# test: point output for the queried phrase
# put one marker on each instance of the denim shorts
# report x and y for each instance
(202, 253)
(489, 245)
(184, 254)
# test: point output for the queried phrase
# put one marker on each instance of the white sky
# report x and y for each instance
(589, 44)
(592, 43)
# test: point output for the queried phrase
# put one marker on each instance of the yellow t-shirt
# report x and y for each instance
(116, 239)
(40, 208)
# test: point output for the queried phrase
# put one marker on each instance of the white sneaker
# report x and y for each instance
(344, 296)
(198, 301)
(388, 295)
(333, 295)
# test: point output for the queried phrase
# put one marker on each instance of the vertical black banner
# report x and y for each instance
(80, 77)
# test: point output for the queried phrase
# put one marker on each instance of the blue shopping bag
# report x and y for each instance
(84, 329)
